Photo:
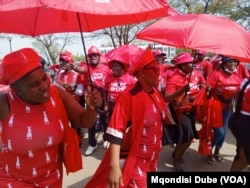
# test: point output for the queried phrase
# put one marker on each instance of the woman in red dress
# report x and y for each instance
(32, 122)
(181, 90)
(135, 130)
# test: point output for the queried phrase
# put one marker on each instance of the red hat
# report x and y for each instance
(66, 56)
(120, 59)
(158, 52)
(93, 50)
(201, 52)
(17, 64)
(183, 57)
(144, 58)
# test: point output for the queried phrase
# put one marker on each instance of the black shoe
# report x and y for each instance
(182, 160)
(177, 167)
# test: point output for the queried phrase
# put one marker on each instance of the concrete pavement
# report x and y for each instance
(194, 162)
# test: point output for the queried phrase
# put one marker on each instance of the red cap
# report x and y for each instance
(183, 57)
(144, 58)
(66, 56)
(17, 64)
(158, 52)
(93, 50)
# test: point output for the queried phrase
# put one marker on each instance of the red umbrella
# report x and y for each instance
(35, 18)
(127, 52)
(201, 32)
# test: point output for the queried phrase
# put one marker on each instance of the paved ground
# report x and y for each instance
(194, 162)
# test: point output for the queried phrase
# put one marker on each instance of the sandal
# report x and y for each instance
(219, 158)
(210, 159)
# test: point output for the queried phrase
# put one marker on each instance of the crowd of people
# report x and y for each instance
(128, 99)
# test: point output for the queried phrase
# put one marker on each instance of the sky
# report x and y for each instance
(18, 42)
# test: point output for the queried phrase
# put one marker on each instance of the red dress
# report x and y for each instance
(31, 135)
(146, 133)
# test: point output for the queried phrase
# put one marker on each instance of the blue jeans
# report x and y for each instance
(220, 132)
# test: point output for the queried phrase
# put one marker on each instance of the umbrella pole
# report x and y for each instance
(84, 50)
(104, 106)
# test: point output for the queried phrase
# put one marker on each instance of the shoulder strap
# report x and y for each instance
(240, 97)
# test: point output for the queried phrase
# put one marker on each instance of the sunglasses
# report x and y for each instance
(93, 55)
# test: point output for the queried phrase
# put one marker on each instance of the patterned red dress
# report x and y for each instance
(31, 135)
(140, 147)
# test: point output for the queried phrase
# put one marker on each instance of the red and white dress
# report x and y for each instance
(141, 146)
(31, 135)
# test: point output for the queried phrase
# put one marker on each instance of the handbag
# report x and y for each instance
(205, 143)
(205, 147)
(69, 148)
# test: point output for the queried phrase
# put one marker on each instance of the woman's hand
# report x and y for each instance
(94, 98)
(115, 177)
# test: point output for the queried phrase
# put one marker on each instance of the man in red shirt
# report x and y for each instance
(98, 73)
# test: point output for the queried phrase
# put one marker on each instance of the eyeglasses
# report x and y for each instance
(156, 69)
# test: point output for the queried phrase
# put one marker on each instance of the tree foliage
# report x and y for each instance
(49, 46)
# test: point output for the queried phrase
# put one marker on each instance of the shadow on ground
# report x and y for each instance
(193, 161)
